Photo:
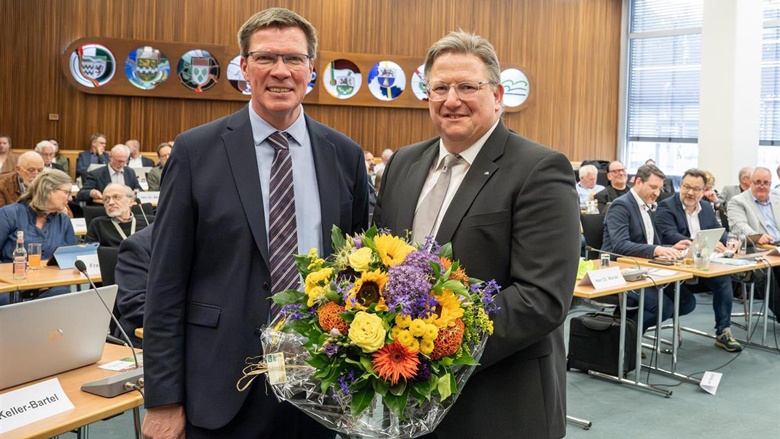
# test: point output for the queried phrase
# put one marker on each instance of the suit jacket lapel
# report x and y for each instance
(415, 179)
(479, 173)
(239, 145)
(681, 217)
(638, 216)
(324, 152)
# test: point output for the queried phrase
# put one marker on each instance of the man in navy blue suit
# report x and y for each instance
(629, 230)
(96, 154)
(679, 218)
(211, 274)
(114, 172)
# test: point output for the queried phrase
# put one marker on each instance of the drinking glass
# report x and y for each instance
(34, 255)
(732, 243)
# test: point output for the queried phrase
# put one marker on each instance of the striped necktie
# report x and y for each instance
(283, 235)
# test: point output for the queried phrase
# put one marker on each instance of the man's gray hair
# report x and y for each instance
(461, 42)
(587, 170)
(43, 144)
(121, 147)
(278, 18)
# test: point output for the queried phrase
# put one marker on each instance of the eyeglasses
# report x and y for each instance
(617, 171)
(33, 170)
(695, 190)
(116, 198)
(293, 61)
(465, 90)
(761, 183)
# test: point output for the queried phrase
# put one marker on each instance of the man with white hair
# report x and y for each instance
(386, 154)
(13, 184)
(120, 222)
(587, 187)
(47, 150)
(115, 172)
(136, 160)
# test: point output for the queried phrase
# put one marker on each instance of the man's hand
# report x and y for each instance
(164, 422)
(667, 252)
(95, 194)
(682, 244)
(764, 239)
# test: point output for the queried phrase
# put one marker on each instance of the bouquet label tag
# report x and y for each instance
(276, 371)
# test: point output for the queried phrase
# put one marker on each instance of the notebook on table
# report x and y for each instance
(44, 337)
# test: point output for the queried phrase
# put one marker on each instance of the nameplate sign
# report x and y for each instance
(604, 278)
(31, 404)
(79, 225)
(710, 382)
(148, 197)
(92, 263)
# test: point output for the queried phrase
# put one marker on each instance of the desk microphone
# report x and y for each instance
(123, 382)
(139, 204)
(630, 274)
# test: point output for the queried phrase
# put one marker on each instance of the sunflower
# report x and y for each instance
(392, 249)
(368, 290)
(449, 308)
(395, 361)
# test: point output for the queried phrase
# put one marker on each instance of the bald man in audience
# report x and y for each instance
(13, 184)
(115, 172)
(136, 160)
(729, 192)
(618, 184)
(48, 150)
(120, 222)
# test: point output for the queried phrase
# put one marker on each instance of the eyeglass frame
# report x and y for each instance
(618, 171)
(761, 183)
(443, 97)
(251, 56)
(695, 190)
(116, 198)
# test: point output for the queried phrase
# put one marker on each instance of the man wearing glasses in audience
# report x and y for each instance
(13, 185)
(115, 172)
(47, 150)
(680, 218)
(756, 212)
(120, 222)
(618, 185)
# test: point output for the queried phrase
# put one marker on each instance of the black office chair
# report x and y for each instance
(593, 229)
(92, 212)
(147, 208)
(107, 259)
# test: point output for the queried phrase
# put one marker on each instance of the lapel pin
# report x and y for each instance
(487, 173)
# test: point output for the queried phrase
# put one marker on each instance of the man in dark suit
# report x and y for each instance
(132, 273)
(47, 150)
(96, 154)
(680, 218)
(629, 229)
(115, 172)
(216, 256)
(510, 211)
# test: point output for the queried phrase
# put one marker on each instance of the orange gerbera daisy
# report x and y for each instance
(395, 361)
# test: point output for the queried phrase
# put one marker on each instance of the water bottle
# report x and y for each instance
(20, 258)
(704, 256)
(604, 260)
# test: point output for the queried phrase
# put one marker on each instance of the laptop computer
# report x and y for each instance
(47, 336)
(712, 235)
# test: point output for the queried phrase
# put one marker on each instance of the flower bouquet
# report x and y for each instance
(381, 340)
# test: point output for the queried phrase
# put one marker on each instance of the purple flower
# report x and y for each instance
(345, 381)
(331, 349)
(422, 260)
(431, 245)
(409, 288)
(358, 242)
(291, 311)
(423, 370)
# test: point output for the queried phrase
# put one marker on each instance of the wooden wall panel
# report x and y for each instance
(568, 48)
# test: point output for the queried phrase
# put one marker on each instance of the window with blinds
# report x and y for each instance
(769, 134)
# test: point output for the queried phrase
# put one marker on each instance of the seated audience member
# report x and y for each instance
(120, 223)
(370, 166)
(115, 172)
(618, 185)
(587, 187)
(629, 230)
(680, 218)
(13, 185)
(132, 272)
(386, 154)
(7, 157)
(154, 176)
(47, 150)
(96, 154)
(40, 214)
(756, 211)
(711, 195)
(136, 160)
(61, 160)
(777, 186)
(729, 192)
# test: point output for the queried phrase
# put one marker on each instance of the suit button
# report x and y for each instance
(265, 285)
(258, 332)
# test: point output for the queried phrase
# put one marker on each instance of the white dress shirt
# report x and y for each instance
(644, 209)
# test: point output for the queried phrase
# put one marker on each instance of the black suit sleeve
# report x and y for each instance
(90, 182)
(132, 272)
(617, 226)
(667, 226)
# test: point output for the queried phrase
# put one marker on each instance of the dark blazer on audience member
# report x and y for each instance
(209, 278)
(132, 272)
(624, 230)
(100, 178)
(606, 196)
(503, 227)
(672, 223)
(147, 162)
(57, 166)
(103, 231)
(85, 159)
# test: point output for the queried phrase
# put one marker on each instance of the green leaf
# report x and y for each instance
(381, 387)
(337, 239)
(333, 296)
(456, 286)
(446, 251)
(465, 359)
(396, 404)
(367, 364)
(317, 362)
(445, 386)
(302, 264)
(287, 297)
(398, 389)
(361, 399)
(370, 233)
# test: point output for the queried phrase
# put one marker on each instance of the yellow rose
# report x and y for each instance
(360, 259)
(367, 331)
